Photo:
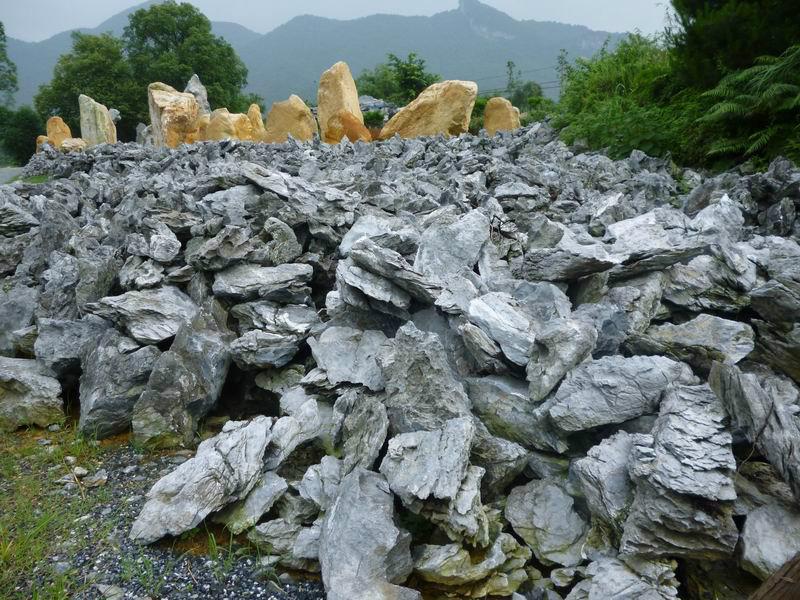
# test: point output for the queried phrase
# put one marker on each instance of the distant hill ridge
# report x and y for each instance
(473, 41)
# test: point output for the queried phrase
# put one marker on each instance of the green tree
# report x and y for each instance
(97, 67)
(18, 131)
(8, 72)
(711, 38)
(522, 94)
(169, 42)
(397, 80)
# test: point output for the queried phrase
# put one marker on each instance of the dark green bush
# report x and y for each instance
(373, 119)
(18, 132)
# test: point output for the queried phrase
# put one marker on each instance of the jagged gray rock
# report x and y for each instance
(283, 283)
(185, 383)
(543, 515)
(628, 387)
(244, 514)
(628, 579)
(770, 539)
(362, 551)
(447, 246)
(149, 316)
(29, 395)
(508, 326)
(225, 468)
(560, 345)
(425, 464)
(115, 374)
(699, 342)
(349, 355)
(360, 426)
(764, 409)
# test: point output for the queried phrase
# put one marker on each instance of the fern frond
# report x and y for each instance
(760, 140)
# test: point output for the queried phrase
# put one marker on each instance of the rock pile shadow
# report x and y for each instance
(462, 367)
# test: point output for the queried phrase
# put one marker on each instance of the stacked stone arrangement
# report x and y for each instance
(186, 117)
(463, 366)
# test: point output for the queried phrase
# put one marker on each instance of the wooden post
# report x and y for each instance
(783, 585)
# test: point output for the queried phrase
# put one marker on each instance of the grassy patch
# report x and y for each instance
(35, 517)
(33, 179)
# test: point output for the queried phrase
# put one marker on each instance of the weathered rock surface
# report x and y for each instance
(149, 316)
(29, 395)
(196, 88)
(362, 551)
(225, 468)
(337, 92)
(614, 390)
(290, 118)
(115, 374)
(350, 355)
(500, 115)
(429, 463)
(97, 127)
(543, 515)
(770, 539)
(57, 131)
(443, 108)
(185, 383)
(173, 115)
(344, 124)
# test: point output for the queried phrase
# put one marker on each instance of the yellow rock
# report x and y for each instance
(57, 131)
(72, 145)
(444, 108)
(290, 117)
(96, 124)
(337, 92)
(201, 134)
(500, 115)
(258, 131)
(41, 141)
(224, 125)
(173, 115)
(343, 124)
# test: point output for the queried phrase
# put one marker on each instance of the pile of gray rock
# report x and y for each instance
(471, 367)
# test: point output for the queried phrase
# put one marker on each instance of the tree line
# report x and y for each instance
(719, 86)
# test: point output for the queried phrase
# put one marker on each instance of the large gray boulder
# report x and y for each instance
(283, 283)
(451, 244)
(499, 317)
(149, 316)
(425, 464)
(185, 383)
(614, 390)
(349, 355)
(226, 468)
(362, 552)
(560, 345)
(699, 342)
(116, 371)
(29, 395)
(770, 539)
(764, 409)
(543, 514)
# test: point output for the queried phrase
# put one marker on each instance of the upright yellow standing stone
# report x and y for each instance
(258, 132)
(57, 131)
(443, 108)
(500, 115)
(173, 115)
(290, 117)
(337, 92)
(97, 127)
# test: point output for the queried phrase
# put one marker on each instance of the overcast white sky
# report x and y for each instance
(34, 20)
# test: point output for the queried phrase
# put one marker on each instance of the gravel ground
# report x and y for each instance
(113, 567)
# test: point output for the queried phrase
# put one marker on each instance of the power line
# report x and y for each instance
(519, 72)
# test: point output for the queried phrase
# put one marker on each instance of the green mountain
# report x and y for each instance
(473, 41)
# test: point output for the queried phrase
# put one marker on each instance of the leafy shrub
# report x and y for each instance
(373, 119)
(398, 81)
(18, 132)
(476, 121)
(758, 109)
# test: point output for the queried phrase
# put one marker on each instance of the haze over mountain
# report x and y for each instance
(473, 41)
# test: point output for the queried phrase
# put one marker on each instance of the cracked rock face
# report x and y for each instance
(29, 395)
(225, 469)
